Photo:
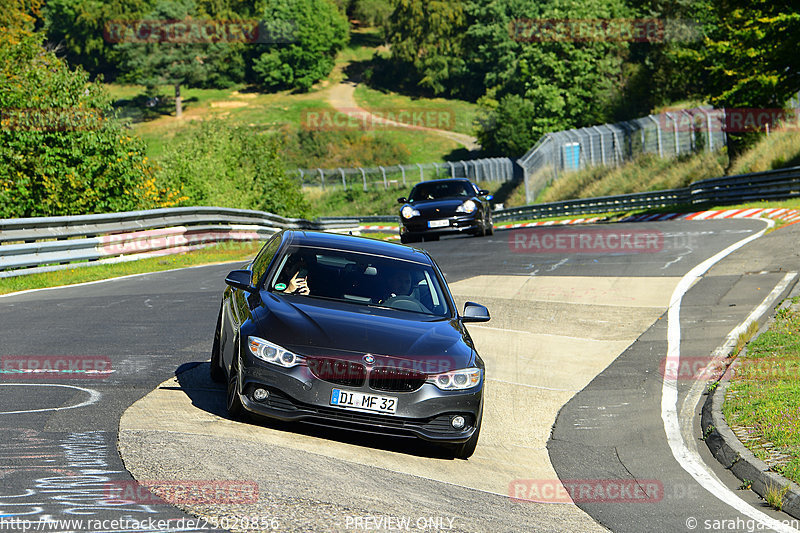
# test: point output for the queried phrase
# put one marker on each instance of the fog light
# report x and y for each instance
(458, 422)
(260, 395)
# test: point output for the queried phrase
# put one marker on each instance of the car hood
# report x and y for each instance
(446, 206)
(315, 327)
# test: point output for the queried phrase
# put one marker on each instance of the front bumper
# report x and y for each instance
(297, 395)
(418, 226)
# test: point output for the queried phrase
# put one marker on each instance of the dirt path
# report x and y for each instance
(342, 98)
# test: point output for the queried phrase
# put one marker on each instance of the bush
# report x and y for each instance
(231, 166)
(508, 130)
(316, 31)
(61, 150)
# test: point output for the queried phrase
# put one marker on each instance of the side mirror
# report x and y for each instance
(240, 279)
(402, 200)
(475, 313)
(483, 192)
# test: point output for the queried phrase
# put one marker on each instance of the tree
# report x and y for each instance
(231, 166)
(312, 31)
(163, 59)
(749, 59)
(18, 17)
(426, 40)
(61, 150)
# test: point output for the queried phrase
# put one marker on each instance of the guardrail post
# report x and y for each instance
(421, 174)
(364, 178)
(383, 173)
(322, 178)
(436, 166)
(344, 181)
(403, 172)
(452, 169)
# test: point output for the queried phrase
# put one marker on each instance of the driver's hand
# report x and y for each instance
(298, 285)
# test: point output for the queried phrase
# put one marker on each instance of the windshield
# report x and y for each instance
(436, 190)
(361, 279)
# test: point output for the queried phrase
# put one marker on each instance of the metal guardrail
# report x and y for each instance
(769, 185)
(31, 245)
(41, 244)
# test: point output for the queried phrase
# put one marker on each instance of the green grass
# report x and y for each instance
(764, 394)
(219, 253)
(453, 115)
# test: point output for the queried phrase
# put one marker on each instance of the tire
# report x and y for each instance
(490, 231)
(466, 449)
(234, 402)
(405, 238)
(215, 367)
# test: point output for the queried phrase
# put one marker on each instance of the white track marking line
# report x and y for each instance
(691, 462)
(94, 397)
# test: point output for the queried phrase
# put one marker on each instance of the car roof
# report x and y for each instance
(318, 239)
(449, 180)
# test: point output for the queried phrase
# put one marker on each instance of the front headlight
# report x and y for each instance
(272, 353)
(457, 379)
(467, 207)
(409, 212)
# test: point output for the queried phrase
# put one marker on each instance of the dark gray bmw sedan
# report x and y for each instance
(350, 332)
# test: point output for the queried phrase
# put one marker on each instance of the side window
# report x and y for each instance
(264, 258)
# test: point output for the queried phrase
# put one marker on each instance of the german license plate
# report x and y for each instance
(363, 402)
(438, 223)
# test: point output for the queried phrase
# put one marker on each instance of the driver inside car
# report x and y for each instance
(399, 284)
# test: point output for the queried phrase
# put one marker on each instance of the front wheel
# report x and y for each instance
(234, 403)
(216, 372)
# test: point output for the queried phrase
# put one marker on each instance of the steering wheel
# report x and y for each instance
(405, 303)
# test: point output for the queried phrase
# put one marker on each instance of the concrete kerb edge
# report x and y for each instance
(732, 454)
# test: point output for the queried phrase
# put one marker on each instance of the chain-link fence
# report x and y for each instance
(666, 134)
(498, 169)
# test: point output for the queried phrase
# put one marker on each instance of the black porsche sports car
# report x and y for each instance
(350, 332)
(442, 207)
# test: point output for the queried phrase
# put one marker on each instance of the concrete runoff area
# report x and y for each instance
(549, 337)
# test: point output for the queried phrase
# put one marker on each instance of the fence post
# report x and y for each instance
(421, 174)
(383, 173)
(452, 169)
(658, 135)
(436, 166)
(466, 169)
(692, 145)
(344, 181)
(403, 172)
(675, 132)
(364, 178)
(322, 178)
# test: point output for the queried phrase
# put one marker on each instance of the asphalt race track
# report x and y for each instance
(575, 358)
